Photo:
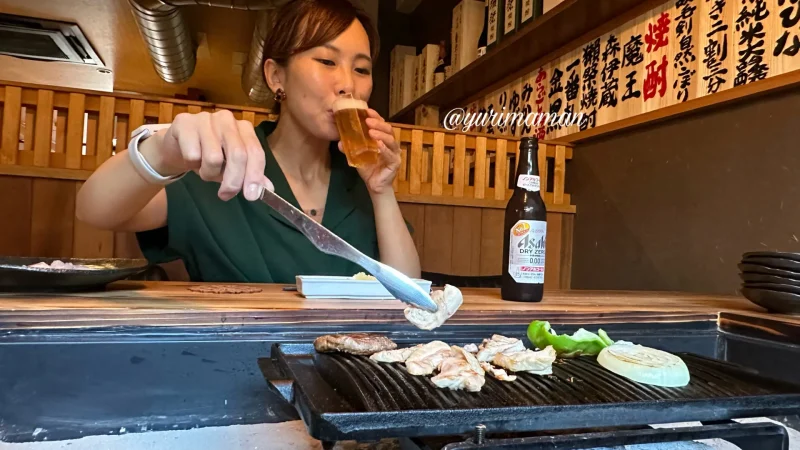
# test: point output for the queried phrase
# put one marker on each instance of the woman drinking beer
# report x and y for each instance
(190, 189)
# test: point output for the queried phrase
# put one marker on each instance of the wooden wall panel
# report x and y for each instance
(89, 242)
(466, 236)
(52, 217)
(15, 205)
(415, 215)
(736, 172)
(438, 245)
(565, 268)
(492, 241)
(553, 249)
(43, 223)
(12, 110)
(126, 246)
(468, 241)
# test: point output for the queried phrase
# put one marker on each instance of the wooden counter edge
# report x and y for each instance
(170, 304)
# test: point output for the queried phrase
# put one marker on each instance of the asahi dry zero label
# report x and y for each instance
(526, 250)
(529, 182)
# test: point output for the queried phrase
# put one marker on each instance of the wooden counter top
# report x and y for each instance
(173, 304)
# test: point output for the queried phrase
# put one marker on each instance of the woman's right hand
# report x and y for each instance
(216, 146)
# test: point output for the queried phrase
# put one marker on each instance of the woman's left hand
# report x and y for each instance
(380, 176)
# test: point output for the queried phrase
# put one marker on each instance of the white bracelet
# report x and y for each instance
(139, 163)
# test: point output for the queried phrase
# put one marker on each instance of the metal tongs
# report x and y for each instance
(399, 285)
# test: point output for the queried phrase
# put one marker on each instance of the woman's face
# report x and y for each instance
(315, 78)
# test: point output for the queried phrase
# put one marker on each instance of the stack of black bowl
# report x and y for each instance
(772, 280)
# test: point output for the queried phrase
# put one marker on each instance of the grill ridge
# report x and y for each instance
(389, 387)
(598, 382)
(370, 402)
(551, 385)
(397, 380)
(532, 394)
(403, 401)
(717, 382)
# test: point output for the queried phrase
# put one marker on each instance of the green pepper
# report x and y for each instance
(582, 342)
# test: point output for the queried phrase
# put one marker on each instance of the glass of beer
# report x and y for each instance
(350, 115)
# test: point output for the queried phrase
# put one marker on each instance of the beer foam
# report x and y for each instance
(349, 103)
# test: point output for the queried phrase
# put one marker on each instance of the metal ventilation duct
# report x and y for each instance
(253, 82)
(169, 40)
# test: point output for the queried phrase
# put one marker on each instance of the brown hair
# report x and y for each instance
(301, 25)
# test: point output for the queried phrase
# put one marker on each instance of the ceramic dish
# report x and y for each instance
(773, 287)
(16, 274)
(774, 301)
(764, 270)
(775, 263)
(772, 279)
(782, 255)
(346, 287)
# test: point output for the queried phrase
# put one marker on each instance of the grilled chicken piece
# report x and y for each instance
(498, 344)
(500, 374)
(356, 343)
(472, 348)
(460, 370)
(474, 364)
(394, 356)
(448, 300)
(539, 363)
(427, 357)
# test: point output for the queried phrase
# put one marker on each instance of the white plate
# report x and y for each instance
(346, 288)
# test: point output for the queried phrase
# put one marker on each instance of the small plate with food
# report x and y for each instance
(36, 274)
(360, 286)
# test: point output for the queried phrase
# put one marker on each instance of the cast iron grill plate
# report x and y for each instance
(343, 397)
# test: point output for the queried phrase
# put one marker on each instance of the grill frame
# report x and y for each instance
(327, 401)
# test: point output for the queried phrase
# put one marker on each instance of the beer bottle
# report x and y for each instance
(524, 231)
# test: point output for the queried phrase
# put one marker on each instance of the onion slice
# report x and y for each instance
(644, 364)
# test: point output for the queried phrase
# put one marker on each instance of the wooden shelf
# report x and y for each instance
(568, 21)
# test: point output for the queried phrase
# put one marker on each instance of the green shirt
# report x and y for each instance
(243, 241)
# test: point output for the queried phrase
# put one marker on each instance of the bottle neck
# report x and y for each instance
(528, 161)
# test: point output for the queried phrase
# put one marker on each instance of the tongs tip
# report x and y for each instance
(425, 303)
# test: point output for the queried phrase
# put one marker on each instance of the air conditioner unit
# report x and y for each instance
(45, 40)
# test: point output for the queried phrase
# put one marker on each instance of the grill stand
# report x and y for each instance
(755, 436)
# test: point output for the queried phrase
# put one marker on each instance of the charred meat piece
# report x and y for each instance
(500, 374)
(426, 358)
(460, 370)
(498, 344)
(394, 356)
(356, 343)
(448, 300)
(540, 363)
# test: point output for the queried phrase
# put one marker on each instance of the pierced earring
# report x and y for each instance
(280, 95)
